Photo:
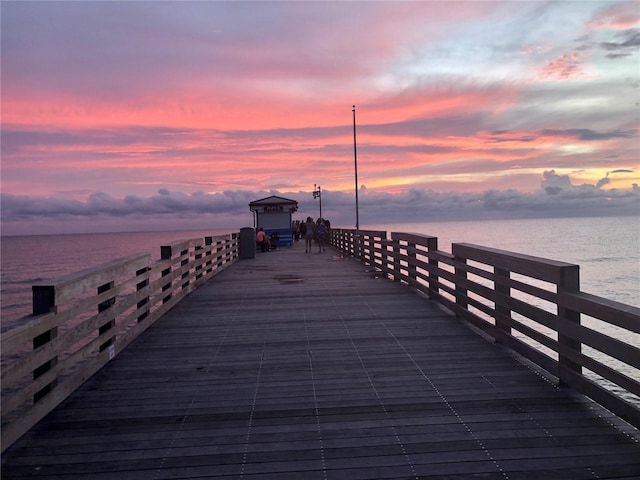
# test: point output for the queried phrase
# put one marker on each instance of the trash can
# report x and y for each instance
(247, 243)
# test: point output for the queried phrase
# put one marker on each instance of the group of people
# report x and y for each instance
(311, 231)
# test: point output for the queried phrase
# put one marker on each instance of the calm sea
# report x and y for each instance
(607, 250)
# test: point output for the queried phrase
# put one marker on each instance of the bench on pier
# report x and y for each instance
(278, 239)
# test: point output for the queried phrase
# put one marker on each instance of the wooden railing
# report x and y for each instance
(530, 304)
(81, 321)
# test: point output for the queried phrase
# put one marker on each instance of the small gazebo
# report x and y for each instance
(274, 215)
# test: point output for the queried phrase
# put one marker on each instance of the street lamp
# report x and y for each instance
(317, 193)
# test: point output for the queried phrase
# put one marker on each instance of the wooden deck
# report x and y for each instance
(309, 366)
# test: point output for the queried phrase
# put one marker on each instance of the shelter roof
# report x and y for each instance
(273, 200)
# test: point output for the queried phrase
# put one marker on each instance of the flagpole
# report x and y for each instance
(355, 162)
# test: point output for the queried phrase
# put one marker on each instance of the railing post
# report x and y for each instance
(432, 245)
(460, 276)
(236, 246)
(209, 253)
(197, 256)
(44, 302)
(221, 252)
(569, 283)
(183, 262)
(502, 276)
(340, 241)
(382, 251)
(166, 254)
(412, 269)
(145, 301)
(353, 244)
(395, 264)
(111, 322)
(43, 299)
(365, 246)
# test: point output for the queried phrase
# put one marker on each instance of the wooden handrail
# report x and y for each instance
(530, 304)
(82, 320)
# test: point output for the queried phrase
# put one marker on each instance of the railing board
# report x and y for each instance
(21, 334)
(415, 262)
(616, 313)
(490, 311)
(416, 238)
(536, 267)
(597, 367)
(75, 284)
(479, 289)
(530, 332)
(533, 313)
(24, 396)
(523, 287)
(479, 272)
(615, 348)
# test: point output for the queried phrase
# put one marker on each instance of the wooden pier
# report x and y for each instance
(317, 366)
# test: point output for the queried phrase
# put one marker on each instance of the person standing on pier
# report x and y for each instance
(321, 235)
(309, 230)
(296, 230)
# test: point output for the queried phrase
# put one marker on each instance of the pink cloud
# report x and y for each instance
(566, 67)
(620, 16)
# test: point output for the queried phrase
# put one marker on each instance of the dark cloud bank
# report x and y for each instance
(169, 210)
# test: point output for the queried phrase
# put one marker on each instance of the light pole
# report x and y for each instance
(355, 162)
(317, 193)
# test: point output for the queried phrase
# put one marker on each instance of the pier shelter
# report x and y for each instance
(274, 215)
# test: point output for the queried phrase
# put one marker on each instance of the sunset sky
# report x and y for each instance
(168, 115)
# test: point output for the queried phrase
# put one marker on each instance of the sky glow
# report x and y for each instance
(148, 115)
